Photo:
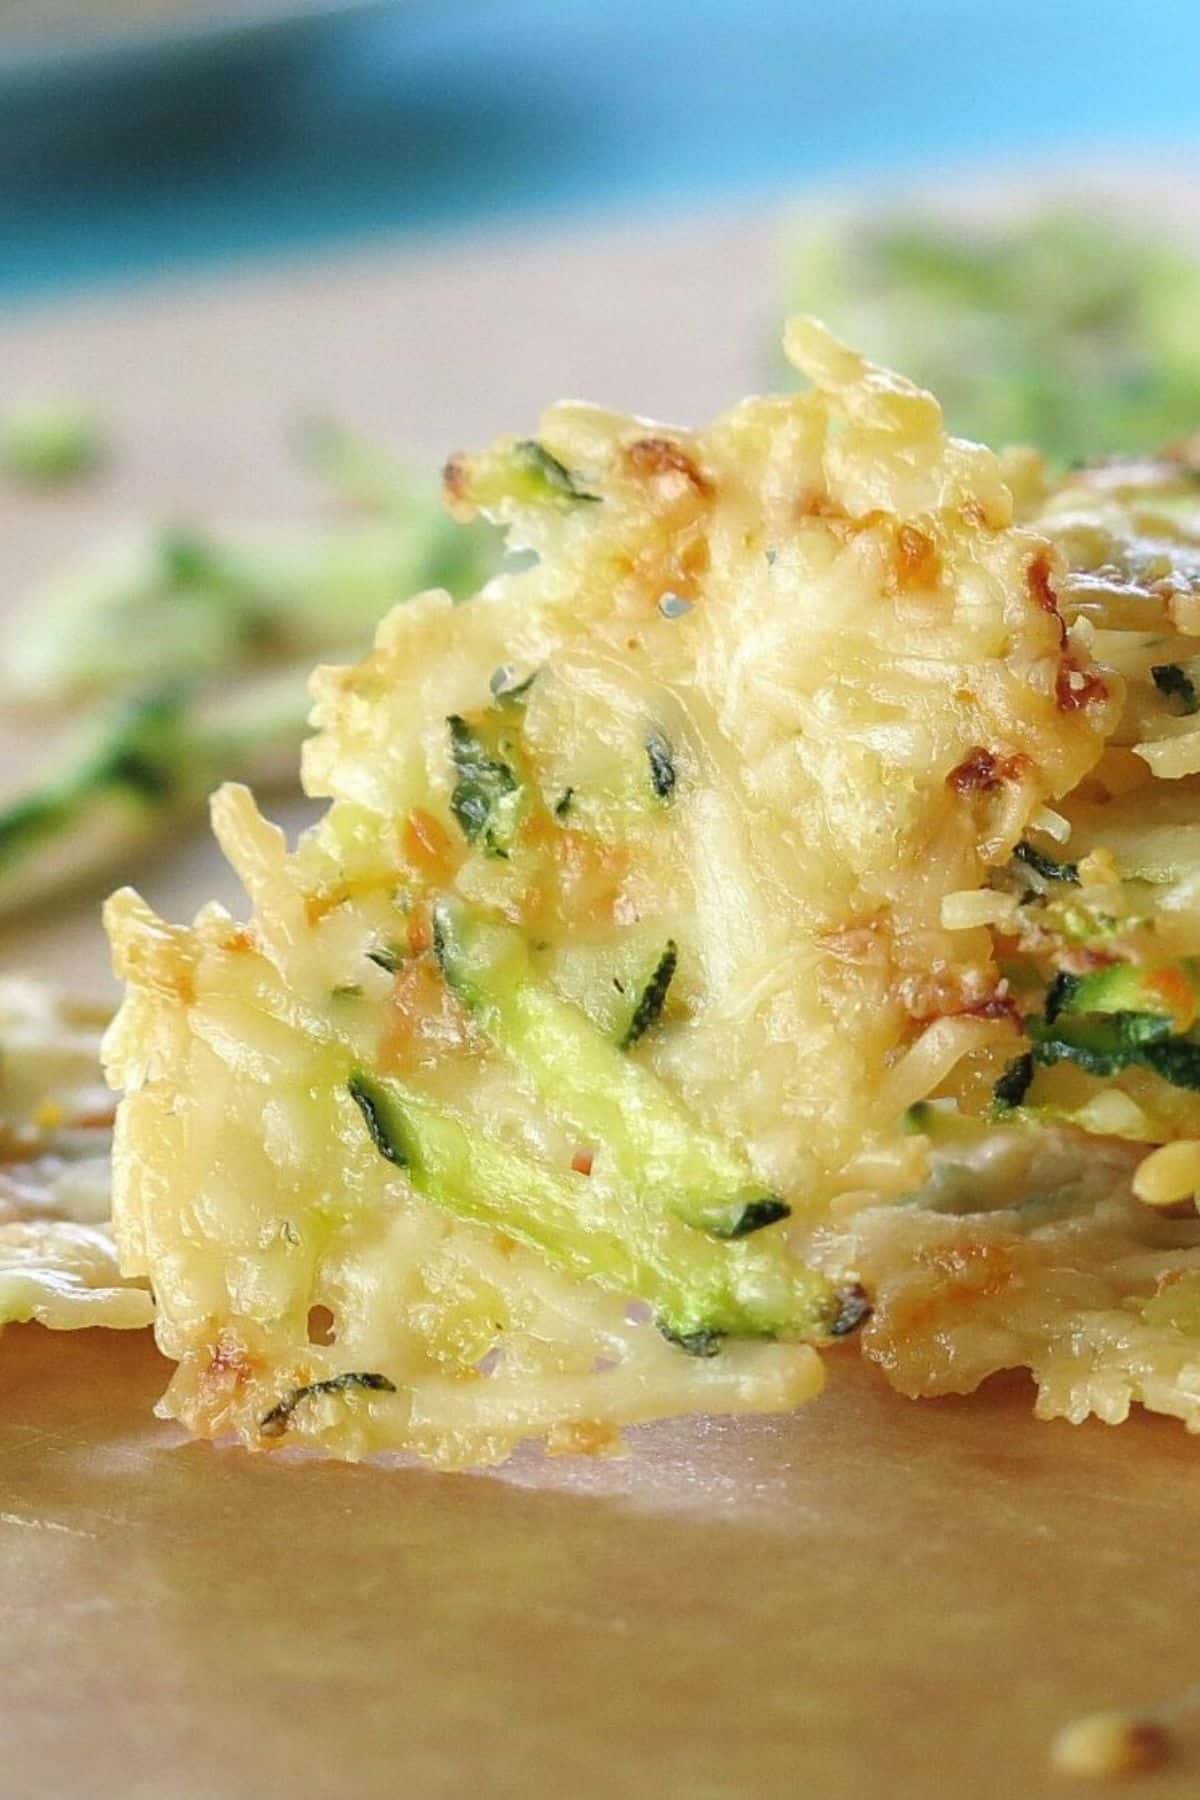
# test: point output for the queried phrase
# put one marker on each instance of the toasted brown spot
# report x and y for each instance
(582, 1161)
(983, 771)
(1041, 587)
(101, 1120)
(321, 1325)
(653, 456)
(915, 562)
(815, 503)
(1075, 688)
(1043, 592)
(240, 941)
(821, 504)
(906, 558)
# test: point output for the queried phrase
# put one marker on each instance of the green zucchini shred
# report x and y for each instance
(695, 1284)
(1114, 1019)
(146, 751)
(488, 798)
(663, 1155)
(1099, 1043)
(1176, 1060)
(1120, 988)
(535, 461)
(694, 1343)
(1044, 865)
(1013, 1085)
(755, 1216)
(653, 997)
(389, 1142)
(275, 1423)
(1060, 994)
(196, 567)
(1174, 683)
(662, 764)
(147, 767)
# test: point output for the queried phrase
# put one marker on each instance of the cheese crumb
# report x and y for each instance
(1051, 823)
(1169, 1174)
(1098, 869)
(972, 907)
(1108, 1746)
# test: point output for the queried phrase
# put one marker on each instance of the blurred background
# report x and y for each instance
(264, 265)
(144, 136)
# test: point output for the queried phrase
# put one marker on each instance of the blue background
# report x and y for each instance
(439, 114)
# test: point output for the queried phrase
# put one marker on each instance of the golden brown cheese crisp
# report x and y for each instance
(619, 953)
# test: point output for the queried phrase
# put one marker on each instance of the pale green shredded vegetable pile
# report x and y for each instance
(1067, 331)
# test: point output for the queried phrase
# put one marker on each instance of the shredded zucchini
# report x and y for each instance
(1103, 948)
(48, 445)
(188, 651)
(665, 1156)
(696, 1286)
(1067, 330)
(487, 800)
(653, 997)
(149, 769)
